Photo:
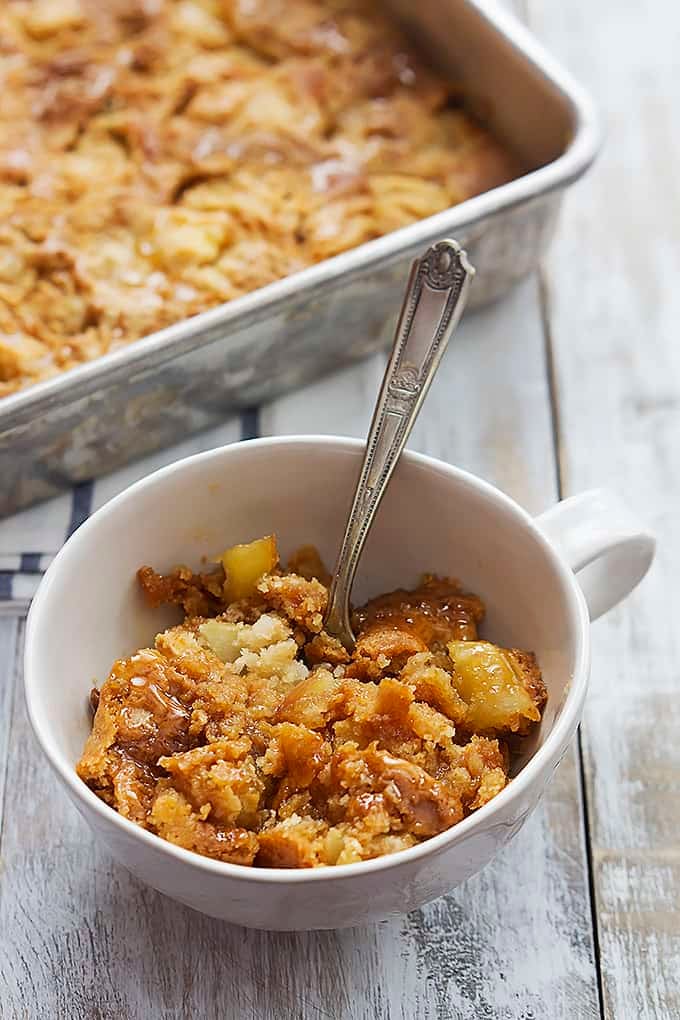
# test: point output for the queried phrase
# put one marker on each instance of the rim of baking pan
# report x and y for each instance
(544, 760)
(197, 331)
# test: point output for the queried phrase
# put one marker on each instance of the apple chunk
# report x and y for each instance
(502, 687)
(244, 565)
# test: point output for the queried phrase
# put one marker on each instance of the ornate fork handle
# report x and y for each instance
(435, 297)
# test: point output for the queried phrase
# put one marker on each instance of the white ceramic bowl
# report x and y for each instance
(88, 612)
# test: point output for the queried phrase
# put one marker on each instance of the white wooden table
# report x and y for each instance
(572, 381)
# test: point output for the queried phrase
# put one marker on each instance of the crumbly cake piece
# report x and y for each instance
(253, 737)
(159, 157)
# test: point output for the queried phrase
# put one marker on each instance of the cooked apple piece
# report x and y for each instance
(502, 687)
(221, 638)
(310, 702)
(244, 565)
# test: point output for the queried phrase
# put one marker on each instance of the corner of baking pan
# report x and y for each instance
(586, 141)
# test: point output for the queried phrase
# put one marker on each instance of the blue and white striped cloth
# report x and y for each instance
(30, 540)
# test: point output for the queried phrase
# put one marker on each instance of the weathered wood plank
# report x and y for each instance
(614, 312)
(83, 939)
(8, 644)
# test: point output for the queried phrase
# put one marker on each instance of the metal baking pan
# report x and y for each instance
(191, 375)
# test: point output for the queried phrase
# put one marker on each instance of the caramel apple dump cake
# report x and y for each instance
(250, 735)
(159, 157)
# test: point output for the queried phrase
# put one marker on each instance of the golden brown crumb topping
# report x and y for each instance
(248, 734)
(159, 157)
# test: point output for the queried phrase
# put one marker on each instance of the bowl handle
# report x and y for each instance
(608, 549)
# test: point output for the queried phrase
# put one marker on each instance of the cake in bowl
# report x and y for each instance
(250, 735)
